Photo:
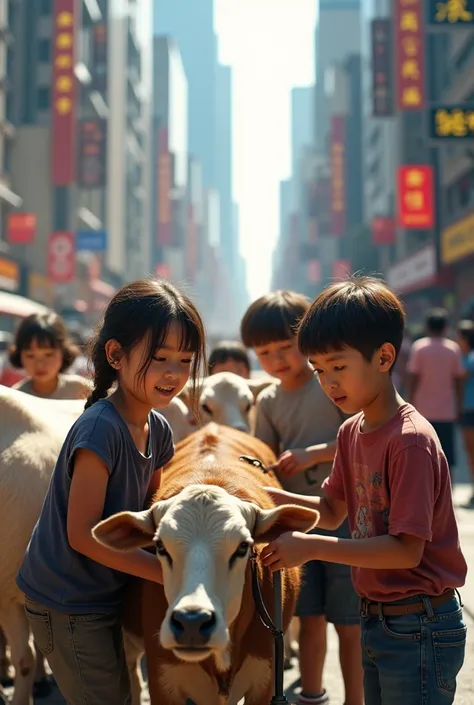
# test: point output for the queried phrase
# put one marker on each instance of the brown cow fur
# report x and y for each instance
(248, 635)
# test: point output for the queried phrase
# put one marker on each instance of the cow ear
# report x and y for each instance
(271, 523)
(258, 384)
(128, 530)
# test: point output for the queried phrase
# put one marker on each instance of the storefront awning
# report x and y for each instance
(15, 305)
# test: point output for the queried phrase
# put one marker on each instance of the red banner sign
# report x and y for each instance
(341, 268)
(415, 197)
(61, 257)
(338, 186)
(64, 93)
(165, 183)
(21, 228)
(92, 153)
(314, 271)
(410, 58)
(383, 231)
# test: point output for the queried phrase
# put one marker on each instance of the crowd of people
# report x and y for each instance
(383, 565)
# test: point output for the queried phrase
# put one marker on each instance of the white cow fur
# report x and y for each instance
(32, 431)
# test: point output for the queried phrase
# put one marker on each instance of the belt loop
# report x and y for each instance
(459, 597)
(380, 610)
(428, 607)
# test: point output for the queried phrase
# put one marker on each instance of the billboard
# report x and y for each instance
(409, 55)
(21, 228)
(338, 185)
(64, 102)
(92, 158)
(382, 68)
(452, 122)
(450, 13)
(61, 257)
(415, 197)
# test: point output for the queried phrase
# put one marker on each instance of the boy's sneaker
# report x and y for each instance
(321, 699)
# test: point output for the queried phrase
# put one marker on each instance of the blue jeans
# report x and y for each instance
(413, 659)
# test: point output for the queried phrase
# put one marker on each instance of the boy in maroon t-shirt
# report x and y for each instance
(391, 478)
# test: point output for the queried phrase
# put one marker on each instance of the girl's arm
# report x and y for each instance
(85, 508)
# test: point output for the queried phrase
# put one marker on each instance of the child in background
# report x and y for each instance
(150, 342)
(465, 341)
(300, 424)
(229, 356)
(44, 350)
(391, 478)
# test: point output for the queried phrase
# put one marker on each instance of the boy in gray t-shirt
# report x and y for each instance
(300, 423)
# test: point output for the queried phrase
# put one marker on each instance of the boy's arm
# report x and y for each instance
(264, 429)
(298, 459)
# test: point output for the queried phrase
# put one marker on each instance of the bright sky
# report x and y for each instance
(269, 44)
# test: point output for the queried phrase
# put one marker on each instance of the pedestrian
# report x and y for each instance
(149, 343)
(466, 421)
(229, 356)
(43, 348)
(436, 378)
(391, 478)
(296, 419)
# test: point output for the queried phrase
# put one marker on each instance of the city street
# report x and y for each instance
(333, 682)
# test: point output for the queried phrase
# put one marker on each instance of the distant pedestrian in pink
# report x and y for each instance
(436, 378)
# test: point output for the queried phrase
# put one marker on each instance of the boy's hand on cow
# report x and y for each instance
(289, 550)
(279, 496)
(292, 461)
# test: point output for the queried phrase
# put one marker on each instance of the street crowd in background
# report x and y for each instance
(300, 417)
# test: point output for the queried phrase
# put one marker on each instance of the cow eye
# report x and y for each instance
(161, 551)
(205, 408)
(241, 552)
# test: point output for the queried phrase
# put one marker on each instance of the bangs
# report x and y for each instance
(271, 325)
(34, 332)
(325, 331)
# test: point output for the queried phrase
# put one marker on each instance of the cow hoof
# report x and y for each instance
(42, 688)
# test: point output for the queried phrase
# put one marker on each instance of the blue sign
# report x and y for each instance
(91, 241)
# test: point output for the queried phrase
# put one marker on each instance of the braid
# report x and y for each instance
(104, 377)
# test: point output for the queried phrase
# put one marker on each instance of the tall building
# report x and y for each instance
(171, 161)
(336, 36)
(191, 24)
(302, 108)
(223, 168)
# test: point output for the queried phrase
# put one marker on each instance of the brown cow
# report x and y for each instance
(202, 635)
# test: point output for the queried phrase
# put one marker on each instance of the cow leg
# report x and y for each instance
(5, 663)
(22, 653)
(133, 656)
(260, 696)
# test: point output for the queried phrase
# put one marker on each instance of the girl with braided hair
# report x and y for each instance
(150, 342)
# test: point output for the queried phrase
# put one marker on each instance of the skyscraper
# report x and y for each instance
(223, 162)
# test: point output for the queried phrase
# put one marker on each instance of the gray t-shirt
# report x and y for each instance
(298, 419)
(52, 572)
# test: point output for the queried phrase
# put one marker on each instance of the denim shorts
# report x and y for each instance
(326, 589)
(413, 659)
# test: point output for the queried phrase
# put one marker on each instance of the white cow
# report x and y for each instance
(32, 431)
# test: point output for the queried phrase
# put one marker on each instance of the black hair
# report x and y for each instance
(146, 307)
(228, 350)
(436, 321)
(49, 331)
(273, 318)
(466, 331)
(359, 312)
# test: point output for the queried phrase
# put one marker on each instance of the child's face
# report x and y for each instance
(281, 359)
(231, 365)
(41, 363)
(348, 379)
(165, 377)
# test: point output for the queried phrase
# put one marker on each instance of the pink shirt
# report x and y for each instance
(395, 480)
(437, 362)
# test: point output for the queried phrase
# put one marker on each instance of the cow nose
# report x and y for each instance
(192, 627)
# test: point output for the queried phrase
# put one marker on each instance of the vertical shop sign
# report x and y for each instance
(382, 68)
(338, 186)
(92, 167)
(164, 188)
(415, 197)
(21, 228)
(64, 107)
(409, 52)
(61, 257)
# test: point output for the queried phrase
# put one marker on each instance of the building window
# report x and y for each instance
(46, 7)
(44, 50)
(43, 99)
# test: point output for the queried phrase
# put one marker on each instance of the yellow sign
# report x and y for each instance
(453, 122)
(457, 241)
(9, 275)
(453, 11)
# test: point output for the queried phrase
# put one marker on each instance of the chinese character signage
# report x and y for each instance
(452, 122)
(457, 241)
(165, 183)
(382, 87)
(338, 186)
(450, 13)
(409, 51)
(99, 62)
(415, 197)
(92, 167)
(21, 228)
(64, 93)
(61, 257)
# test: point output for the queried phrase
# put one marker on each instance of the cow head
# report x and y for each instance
(203, 537)
(227, 399)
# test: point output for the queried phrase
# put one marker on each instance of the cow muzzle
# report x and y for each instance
(192, 628)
